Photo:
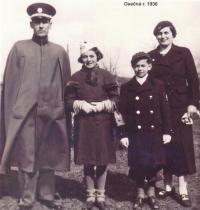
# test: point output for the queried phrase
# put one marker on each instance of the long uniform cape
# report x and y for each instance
(33, 116)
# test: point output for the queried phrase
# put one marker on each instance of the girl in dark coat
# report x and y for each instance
(175, 66)
(91, 94)
(144, 107)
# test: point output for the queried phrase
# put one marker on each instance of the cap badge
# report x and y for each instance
(39, 10)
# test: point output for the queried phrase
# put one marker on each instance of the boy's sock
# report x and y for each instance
(140, 192)
(151, 191)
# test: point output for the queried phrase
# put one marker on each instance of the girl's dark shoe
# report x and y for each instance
(153, 203)
(138, 204)
(89, 205)
(185, 200)
(90, 199)
(101, 205)
(100, 199)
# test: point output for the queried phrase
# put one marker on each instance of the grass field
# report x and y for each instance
(120, 190)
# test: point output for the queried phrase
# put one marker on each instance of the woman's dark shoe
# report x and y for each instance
(185, 200)
(138, 204)
(153, 203)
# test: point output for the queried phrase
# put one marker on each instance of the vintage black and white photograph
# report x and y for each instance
(99, 105)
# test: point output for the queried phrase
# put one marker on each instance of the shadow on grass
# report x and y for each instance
(120, 187)
(9, 185)
(67, 188)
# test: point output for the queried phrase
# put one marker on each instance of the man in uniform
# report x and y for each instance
(34, 132)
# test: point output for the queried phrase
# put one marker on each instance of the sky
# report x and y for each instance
(118, 30)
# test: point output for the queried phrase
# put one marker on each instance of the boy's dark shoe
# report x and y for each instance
(138, 204)
(153, 203)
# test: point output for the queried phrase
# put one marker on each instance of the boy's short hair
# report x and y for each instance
(140, 55)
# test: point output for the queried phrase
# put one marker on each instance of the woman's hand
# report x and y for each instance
(166, 138)
(193, 111)
(124, 142)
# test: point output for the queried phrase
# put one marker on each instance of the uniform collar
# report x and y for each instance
(40, 40)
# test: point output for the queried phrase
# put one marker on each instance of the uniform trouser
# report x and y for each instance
(41, 183)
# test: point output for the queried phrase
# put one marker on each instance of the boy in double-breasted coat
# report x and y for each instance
(144, 107)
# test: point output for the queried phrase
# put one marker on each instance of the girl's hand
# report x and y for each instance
(106, 105)
(87, 107)
(98, 106)
(124, 142)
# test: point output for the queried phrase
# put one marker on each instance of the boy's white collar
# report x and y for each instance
(141, 80)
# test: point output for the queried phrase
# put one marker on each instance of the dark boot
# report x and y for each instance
(90, 199)
(101, 204)
(138, 204)
(153, 203)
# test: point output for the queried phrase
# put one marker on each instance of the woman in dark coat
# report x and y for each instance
(91, 94)
(175, 66)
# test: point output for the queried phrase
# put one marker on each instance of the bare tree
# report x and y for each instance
(110, 62)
